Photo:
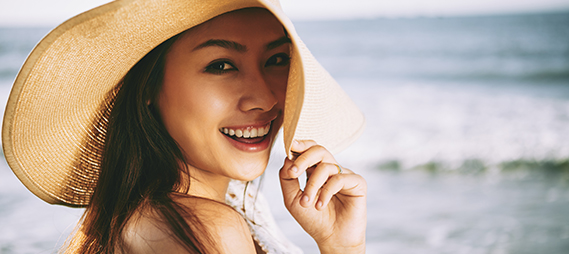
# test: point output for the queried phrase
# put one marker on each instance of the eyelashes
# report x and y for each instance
(222, 66)
(280, 59)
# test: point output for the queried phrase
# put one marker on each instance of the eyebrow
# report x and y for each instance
(278, 42)
(224, 44)
(240, 47)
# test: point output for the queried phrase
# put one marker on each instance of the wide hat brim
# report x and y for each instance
(54, 127)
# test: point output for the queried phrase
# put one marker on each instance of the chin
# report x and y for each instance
(250, 171)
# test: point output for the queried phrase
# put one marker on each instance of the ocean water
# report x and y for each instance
(466, 148)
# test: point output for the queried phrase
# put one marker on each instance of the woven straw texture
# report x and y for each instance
(56, 117)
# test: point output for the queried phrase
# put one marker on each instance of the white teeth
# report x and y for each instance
(247, 132)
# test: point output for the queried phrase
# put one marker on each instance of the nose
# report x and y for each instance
(258, 93)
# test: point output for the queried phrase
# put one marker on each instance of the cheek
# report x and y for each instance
(278, 83)
(207, 103)
(214, 103)
(192, 116)
(189, 108)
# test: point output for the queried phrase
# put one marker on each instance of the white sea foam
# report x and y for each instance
(450, 123)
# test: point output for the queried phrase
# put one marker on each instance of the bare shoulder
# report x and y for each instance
(227, 231)
(227, 227)
(146, 232)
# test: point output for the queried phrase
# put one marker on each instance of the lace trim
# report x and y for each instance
(257, 213)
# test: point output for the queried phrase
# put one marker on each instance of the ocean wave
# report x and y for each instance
(557, 169)
(546, 75)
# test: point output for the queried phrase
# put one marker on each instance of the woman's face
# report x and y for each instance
(223, 94)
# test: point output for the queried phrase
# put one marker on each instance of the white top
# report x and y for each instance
(258, 215)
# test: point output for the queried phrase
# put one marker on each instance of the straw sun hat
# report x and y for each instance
(55, 119)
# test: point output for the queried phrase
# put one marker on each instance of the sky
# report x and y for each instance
(53, 12)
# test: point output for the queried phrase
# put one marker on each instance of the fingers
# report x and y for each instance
(310, 155)
(289, 184)
(326, 181)
(323, 181)
(321, 174)
(346, 184)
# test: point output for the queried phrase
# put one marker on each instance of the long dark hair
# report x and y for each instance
(141, 165)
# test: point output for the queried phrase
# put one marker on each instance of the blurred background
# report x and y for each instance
(466, 148)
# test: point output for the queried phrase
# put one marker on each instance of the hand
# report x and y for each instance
(332, 207)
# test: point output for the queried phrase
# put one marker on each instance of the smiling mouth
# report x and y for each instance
(247, 134)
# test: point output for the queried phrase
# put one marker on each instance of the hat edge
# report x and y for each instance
(34, 188)
(16, 91)
(291, 119)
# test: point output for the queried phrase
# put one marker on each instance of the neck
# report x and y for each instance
(206, 184)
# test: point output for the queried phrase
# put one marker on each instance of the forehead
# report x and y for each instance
(239, 25)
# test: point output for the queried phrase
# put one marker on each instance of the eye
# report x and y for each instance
(220, 67)
(280, 59)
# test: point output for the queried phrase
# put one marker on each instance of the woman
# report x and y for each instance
(151, 148)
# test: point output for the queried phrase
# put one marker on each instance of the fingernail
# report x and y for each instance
(295, 142)
(294, 169)
(305, 198)
(319, 205)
